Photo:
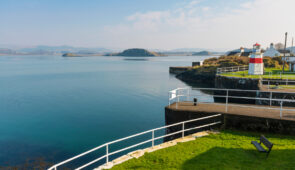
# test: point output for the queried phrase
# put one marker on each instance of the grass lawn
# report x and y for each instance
(227, 150)
(270, 73)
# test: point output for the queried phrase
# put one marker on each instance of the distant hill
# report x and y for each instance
(136, 52)
(202, 53)
(70, 55)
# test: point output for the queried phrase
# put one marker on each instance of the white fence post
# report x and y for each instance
(187, 95)
(177, 100)
(270, 98)
(281, 110)
(226, 101)
(183, 129)
(153, 136)
(107, 153)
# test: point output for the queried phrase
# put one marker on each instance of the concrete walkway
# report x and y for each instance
(234, 109)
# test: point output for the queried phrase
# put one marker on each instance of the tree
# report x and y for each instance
(279, 46)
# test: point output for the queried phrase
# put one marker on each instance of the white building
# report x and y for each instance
(256, 61)
(271, 52)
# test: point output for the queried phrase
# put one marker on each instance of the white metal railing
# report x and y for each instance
(106, 146)
(181, 93)
(280, 75)
(285, 82)
(231, 69)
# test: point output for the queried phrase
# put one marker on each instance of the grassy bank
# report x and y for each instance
(269, 73)
(227, 150)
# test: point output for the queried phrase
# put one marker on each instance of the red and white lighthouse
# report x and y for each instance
(256, 61)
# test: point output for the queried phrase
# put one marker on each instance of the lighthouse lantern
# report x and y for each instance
(256, 61)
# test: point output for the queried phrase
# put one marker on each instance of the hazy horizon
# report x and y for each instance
(164, 25)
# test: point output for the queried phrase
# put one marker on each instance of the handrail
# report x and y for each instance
(54, 167)
(221, 70)
(270, 99)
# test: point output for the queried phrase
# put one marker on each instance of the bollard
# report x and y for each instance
(195, 101)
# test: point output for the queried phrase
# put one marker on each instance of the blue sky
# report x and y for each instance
(162, 24)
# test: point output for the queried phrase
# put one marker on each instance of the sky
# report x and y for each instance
(152, 24)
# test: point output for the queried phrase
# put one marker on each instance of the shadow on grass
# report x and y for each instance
(257, 134)
(237, 158)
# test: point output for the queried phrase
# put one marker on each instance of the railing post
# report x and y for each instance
(182, 129)
(281, 75)
(226, 101)
(55, 168)
(187, 95)
(153, 136)
(281, 110)
(268, 84)
(270, 101)
(287, 82)
(169, 99)
(177, 101)
(107, 153)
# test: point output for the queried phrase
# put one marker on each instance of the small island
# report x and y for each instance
(136, 52)
(202, 53)
(70, 55)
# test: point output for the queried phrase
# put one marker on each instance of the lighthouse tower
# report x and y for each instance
(256, 61)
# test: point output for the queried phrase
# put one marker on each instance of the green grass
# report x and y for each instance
(227, 150)
(275, 74)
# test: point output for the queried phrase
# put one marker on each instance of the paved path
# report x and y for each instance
(272, 112)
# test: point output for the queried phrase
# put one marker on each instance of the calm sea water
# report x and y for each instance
(54, 107)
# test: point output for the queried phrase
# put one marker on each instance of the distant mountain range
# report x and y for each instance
(83, 51)
(54, 50)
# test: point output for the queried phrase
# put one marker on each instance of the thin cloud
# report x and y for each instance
(262, 21)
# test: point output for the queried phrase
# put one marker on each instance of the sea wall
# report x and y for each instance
(225, 82)
(259, 124)
(195, 78)
(174, 116)
(230, 121)
(178, 70)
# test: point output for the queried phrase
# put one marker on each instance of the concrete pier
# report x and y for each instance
(246, 117)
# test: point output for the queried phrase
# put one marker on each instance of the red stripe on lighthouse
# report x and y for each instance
(256, 60)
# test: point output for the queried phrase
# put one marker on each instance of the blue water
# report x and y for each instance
(55, 107)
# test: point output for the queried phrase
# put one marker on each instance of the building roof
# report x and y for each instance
(257, 44)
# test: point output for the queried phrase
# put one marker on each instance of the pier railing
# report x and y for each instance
(106, 147)
(275, 84)
(267, 101)
(231, 69)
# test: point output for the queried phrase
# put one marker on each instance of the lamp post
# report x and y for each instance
(284, 59)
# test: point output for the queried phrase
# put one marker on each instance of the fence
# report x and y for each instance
(231, 69)
(180, 94)
(278, 83)
(280, 75)
(152, 132)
